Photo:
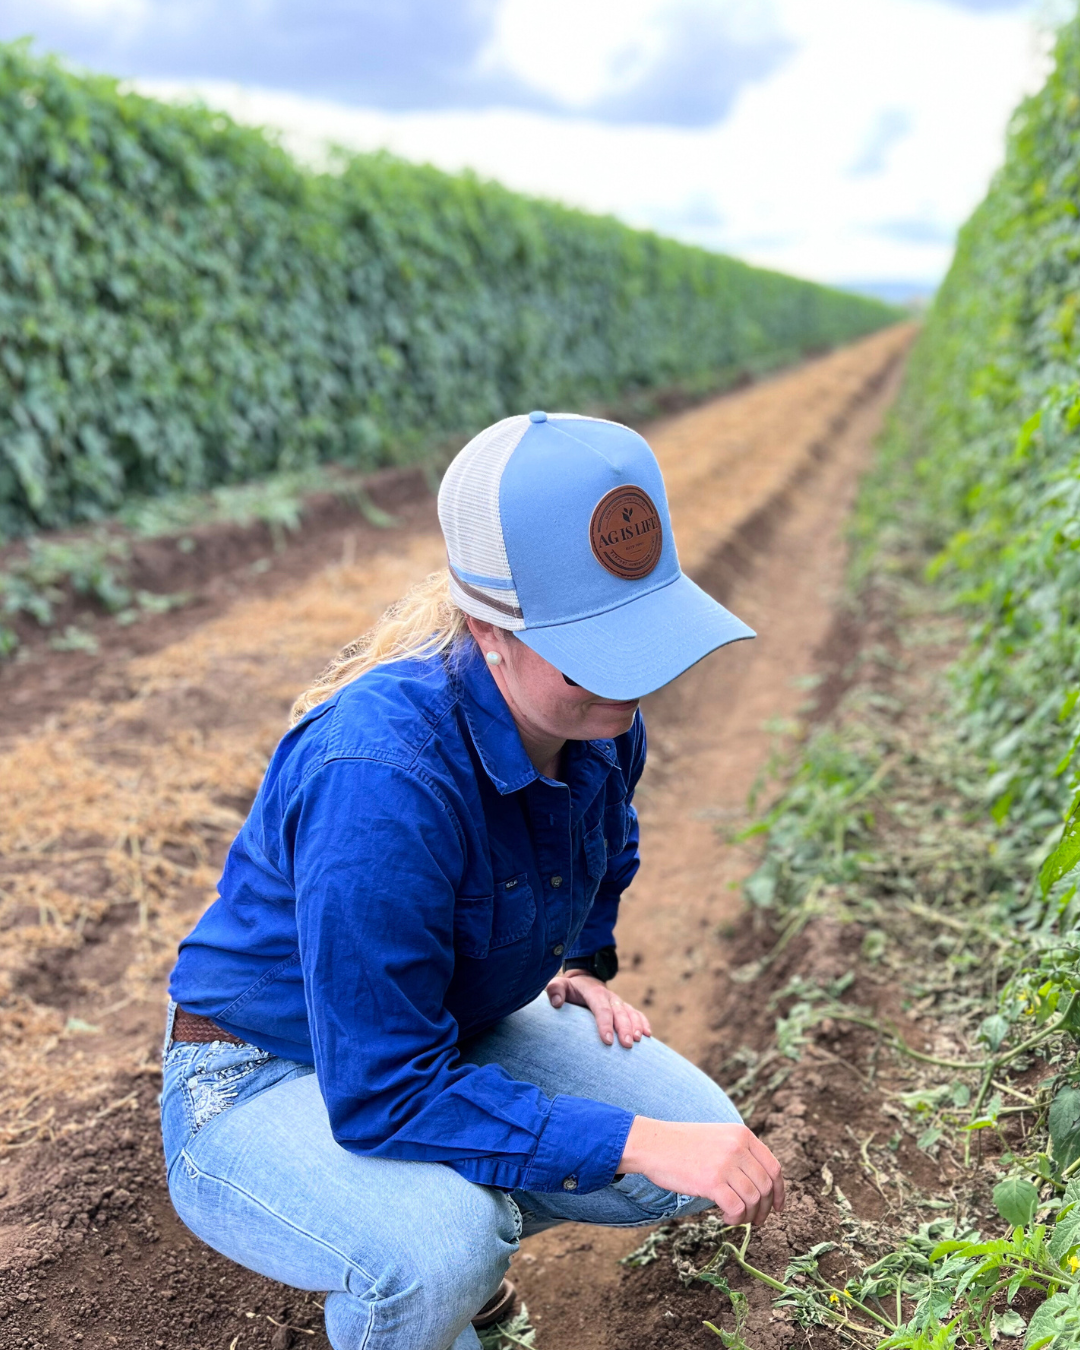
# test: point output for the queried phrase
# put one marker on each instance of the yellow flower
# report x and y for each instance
(834, 1298)
(1074, 1262)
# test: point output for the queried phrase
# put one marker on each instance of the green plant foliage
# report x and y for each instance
(1016, 1199)
(1064, 1122)
(733, 1340)
(816, 829)
(1067, 853)
(182, 306)
(962, 828)
(94, 567)
(992, 408)
(942, 1289)
(517, 1331)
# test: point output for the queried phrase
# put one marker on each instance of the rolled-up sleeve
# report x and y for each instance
(376, 857)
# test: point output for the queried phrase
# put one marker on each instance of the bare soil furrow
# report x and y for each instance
(119, 801)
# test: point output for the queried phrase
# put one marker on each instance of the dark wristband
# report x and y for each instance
(604, 964)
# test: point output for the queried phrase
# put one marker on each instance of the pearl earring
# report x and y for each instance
(494, 659)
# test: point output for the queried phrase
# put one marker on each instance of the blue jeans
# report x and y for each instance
(407, 1252)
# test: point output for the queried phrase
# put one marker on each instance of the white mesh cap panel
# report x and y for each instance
(472, 528)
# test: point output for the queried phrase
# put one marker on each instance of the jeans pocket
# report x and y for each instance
(219, 1080)
(202, 1081)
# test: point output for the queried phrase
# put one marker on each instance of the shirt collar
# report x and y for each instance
(494, 732)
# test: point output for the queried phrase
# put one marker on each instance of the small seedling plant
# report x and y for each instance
(940, 1290)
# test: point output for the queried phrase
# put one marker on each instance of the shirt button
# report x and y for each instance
(569, 1183)
(558, 949)
(556, 881)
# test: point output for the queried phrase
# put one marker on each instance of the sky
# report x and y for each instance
(843, 140)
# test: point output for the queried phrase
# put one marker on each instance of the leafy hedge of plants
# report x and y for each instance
(181, 305)
(981, 472)
(992, 413)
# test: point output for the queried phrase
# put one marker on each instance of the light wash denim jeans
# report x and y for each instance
(407, 1252)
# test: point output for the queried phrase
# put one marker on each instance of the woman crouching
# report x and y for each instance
(392, 1049)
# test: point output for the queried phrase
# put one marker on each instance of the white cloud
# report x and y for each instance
(576, 53)
(776, 181)
(582, 52)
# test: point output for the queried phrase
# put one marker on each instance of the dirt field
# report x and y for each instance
(124, 776)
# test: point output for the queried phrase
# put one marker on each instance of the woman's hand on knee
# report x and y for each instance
(613, 1016)
(727, 1164)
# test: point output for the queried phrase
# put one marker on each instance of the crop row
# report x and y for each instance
(182, 305)
(960, 827)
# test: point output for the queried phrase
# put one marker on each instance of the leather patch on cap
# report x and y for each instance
(625, 533)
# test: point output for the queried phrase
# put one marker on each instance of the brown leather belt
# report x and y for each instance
(191, 1027)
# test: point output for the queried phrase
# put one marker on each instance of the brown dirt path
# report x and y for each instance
(711, 735)
(116, 810)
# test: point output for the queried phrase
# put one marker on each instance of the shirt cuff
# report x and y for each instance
(580, 1146)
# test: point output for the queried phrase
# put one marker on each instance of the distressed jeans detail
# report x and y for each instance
(406, 1252)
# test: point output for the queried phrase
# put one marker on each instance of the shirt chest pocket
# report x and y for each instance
(616, 827)
(484, 923)
(596, 853)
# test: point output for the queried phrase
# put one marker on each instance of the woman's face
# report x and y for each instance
(540, 699)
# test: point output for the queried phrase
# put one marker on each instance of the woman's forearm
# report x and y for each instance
(644, 1145)
(727, 1164)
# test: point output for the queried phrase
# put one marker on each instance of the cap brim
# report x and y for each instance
(628, 652)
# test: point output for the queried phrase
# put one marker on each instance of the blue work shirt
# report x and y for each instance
(405, 879)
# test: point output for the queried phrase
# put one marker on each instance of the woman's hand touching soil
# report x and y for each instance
(727, 1164)
(613, 1016)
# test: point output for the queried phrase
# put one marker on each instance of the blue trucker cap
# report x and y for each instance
(557, 528)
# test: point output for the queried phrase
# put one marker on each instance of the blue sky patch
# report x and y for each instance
(396, 55)
(891, 127)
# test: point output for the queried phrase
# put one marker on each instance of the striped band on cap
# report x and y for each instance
(475, 593)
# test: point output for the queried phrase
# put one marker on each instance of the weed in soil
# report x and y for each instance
(517, 1330)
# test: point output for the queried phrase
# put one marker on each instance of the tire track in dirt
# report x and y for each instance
(115, 815)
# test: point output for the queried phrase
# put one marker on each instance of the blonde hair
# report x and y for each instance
(422, 625)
